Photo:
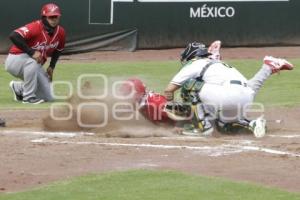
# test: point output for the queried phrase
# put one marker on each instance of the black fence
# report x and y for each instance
(143, 24)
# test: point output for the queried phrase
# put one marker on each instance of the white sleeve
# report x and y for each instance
(187, 72)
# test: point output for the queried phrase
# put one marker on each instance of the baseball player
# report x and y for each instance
(217, 91)
(148, 103)
(32, 44)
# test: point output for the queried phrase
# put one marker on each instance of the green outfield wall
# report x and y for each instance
(142, 24)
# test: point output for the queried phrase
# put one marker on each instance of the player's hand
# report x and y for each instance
(169, 95)
(50, 73)
(37, 56)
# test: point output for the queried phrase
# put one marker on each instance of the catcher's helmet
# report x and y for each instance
(50, 9)
(193, 50)
(133, 86)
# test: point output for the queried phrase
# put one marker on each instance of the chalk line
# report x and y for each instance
(284, 136)
(45, 133)
(224, 149)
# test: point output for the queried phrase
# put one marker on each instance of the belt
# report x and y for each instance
(236, 82)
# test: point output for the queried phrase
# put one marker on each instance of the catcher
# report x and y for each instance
(151, 104)
(216, 92)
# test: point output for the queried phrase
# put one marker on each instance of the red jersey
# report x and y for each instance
(37, 38)
(151, 107)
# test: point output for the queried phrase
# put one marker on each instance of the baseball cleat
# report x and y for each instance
(198, 132)
(277, 64)
(258, 127)
(192, 132)
(17, 97)
(33, 100)
(214, 49)
(206, 131)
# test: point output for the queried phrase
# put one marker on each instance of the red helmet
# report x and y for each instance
(133, 86)
(50, 9)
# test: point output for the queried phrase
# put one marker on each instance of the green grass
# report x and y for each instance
(142, 184)
(278, 90)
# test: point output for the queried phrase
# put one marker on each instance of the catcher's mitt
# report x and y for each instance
(178, 111)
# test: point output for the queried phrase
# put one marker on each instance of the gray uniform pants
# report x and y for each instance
(228, 102)
(259, 78)
(35, 80)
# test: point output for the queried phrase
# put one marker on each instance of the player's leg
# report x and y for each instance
(190, 118)
(214, 49)
(228, 106)
(194, 122)
(201, 121)
(30, 74)
(14, 65)
(26, 68)
(256, 126)
(190, 95)
(17, 89)
(43, 86)
(205, 111)
(240, 126)
(271, 65)
(256, 82)
(243, 97)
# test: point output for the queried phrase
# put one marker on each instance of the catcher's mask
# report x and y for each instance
(133, 87)
(193, 50)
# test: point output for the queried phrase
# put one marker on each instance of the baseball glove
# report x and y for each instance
(178, 111)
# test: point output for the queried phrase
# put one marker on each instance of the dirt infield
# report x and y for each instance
(31, 156)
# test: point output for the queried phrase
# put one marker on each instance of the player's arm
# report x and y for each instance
(169, 91)
(56, 54)
(178, 80)
(53, 61)
(20, 42)
(54, 58)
